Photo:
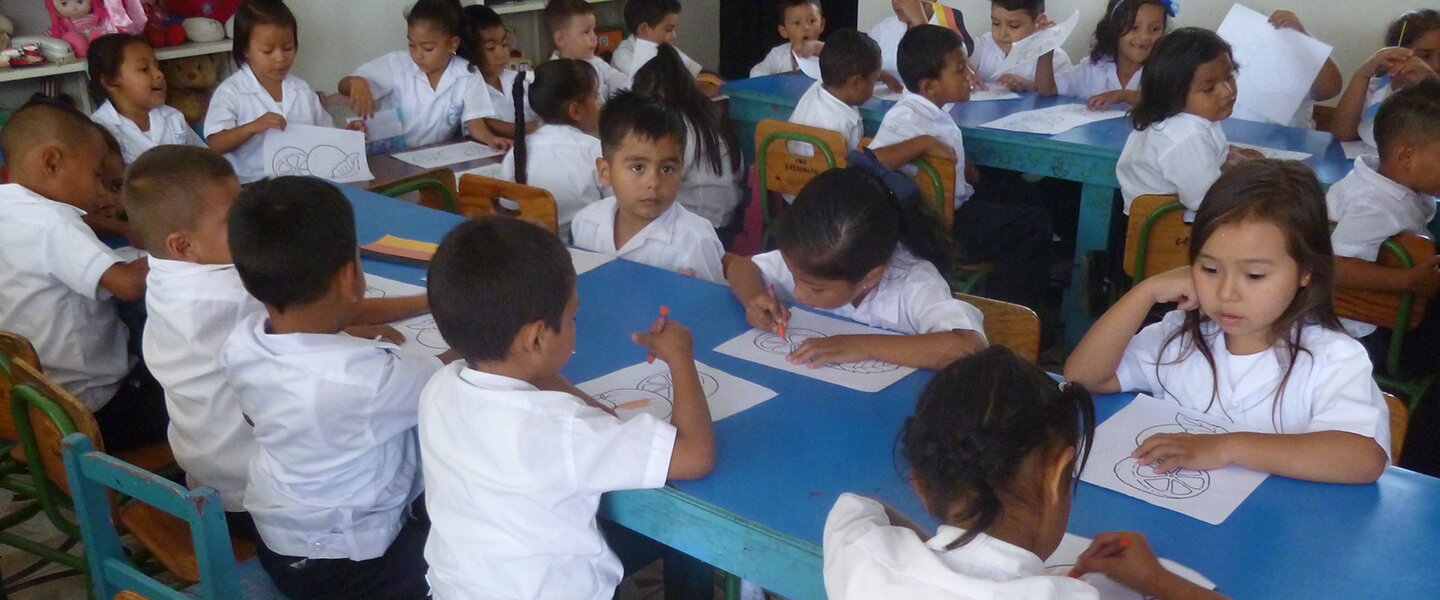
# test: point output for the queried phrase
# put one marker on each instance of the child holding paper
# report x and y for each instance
(801, 25)
(1010, 22)
(1123, 41)
(1411, 53)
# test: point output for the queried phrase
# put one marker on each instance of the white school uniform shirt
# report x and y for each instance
(914, 116)
(677, 239)
(712, 194)
(866, 557)
(1368, 208)
(428, 114)
(988, 57)
(192, 309)
(240, 99)
(50, 269)
(1090, 77)
(611, 80)
(887, 34)
(779, 60)
(624, 56)
(1180, 155)
(561, 160)
(338, 463)
(1330, 388)
(912, 297)
(502, 101)
(514, 477)
(1379, 90)
(819, 108)
(167, 127)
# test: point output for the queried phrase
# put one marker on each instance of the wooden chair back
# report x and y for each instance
(1384, 308)
(1010, 325)
(936, 177)
(436, 188)
(1399, 424)
(480, 195)
(786, 173)
(16, 347)
(50, 428)
(1158, 238)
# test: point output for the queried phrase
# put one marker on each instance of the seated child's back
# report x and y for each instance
(560, 156)
(849, 66)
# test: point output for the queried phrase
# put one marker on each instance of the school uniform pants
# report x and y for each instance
(398, 574)
(135, 416)
(1420, 353)
(1015, 238)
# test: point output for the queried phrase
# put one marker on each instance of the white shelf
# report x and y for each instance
(10, 74)
(194, 49)
(511, 8)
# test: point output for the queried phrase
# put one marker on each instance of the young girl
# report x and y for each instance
(711, 184)
(1177, 146)
(560, 156)
(262, 95)
(491, 55)
(1255, 339)
(848, 247)
(1122, 44)
(1411, 53)
(994, 448)
(124, 72)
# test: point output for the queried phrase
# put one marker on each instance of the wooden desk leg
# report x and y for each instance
(1091, 233)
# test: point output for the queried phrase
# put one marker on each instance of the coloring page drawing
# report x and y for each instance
(1035, 45)
(325, 152)
(647, 388)
(440, 156)
(1052, 120)
(769, 349)
(422, 337)
(1277, 66)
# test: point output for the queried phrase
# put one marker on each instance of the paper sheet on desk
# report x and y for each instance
(1277, 66)
(769, 349)
(1035, 45)
(1275, 152)
(1052, 120)
(1067, 554)
(646, 388)
(422, 337)
(995, 92)
(585, 260)
(325, 152)
(440, 156)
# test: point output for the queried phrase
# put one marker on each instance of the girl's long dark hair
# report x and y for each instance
(666, 78)
(1119, 17)
(107, 54)
(557, 84)
(1165, 83)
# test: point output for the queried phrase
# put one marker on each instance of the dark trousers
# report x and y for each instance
(399, 574)
(1420, 353)
(1015, 237)
(135, 415)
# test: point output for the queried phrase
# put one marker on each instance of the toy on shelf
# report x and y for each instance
(7, 29)
(189, 83)
(161, 29)
(80, 21)
(220, 10)
(203, 29)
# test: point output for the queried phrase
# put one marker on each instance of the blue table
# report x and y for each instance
(781, 464)
(1085, 154)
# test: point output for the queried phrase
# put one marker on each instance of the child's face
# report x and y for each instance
(1427, 48)
(802, 23)
(829, 294)
(577, 38)
(662, 33)
(645, 174)
(1136, 44)
(1245, 278)
(112, 182)
(1010, 26)
(1419, 166)
(899, 6)
(430, 47)
(1212, 89)
(209, 237)
(560, 345)
(858, 89)
(271, 52)
(78, 178)
(953, 84)
(494, 50)
(139, 82)
(586, 112)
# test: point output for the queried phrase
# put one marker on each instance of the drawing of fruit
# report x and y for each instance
(291, 161)
(332, 163)
(1176, 483)
(630, 402)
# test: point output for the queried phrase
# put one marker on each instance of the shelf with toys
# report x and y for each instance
(188, 49)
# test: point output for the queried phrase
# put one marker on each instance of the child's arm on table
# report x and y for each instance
(1094, 361)
(480, 131)
(1126, 557)
(923, 351)
(1325, 456)
(694, 453)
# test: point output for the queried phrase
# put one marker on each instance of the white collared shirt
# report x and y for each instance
(988, 57)
(714, 195)
(1180, 155)
(887, 34)
(1090, 78)
(192, 309)
(167, 127)
(625, 55)
(866, 557)
(1378, 90)
(611, 80)
(428, 114)
(912, 297)
(502, 101)
(241, 99)
(513, 480)
(914, 116)
(675, 240)
(779, 60)
(561, 160)
(819, 108)
(1330, 388)
(338, 463)
(50, 269)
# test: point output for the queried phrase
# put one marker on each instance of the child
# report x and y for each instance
(1122, 44)
(849, 66)
(1010, 22)
(994, 448)
(57, 280)
(801, 25)
(1177, 146)
(848, 247)
(1405, 59)
(334, 479)
(571, 24)
(429, 83)
(563, 94)
(515, 457)
(496, 79)
(887, 33)
(644, 155)
(124, 72)
(1255, 339)
(1327, 82)
(651, 23)
(710, 186)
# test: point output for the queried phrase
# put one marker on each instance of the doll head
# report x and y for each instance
(71, 8)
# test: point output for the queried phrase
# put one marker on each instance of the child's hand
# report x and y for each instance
(361, 100)
(499, 143)
(1383, 60)
(1425, 278)
(1410, 71)
(1017, 83)
(382, 332)
(687, 272)
(976, 82)
(766, 312)
(818, 352)
(891, 82)
(672, 343)
(808, 48)
(1105, 100)
(1237, 155)
(1176, 285)
(358, 125)
(1284, 19)
(269, 121)
(1201, 452)
(1126, 557)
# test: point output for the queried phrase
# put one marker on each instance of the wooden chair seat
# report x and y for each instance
(1010, 325)
(1158, 238)
(168, 538)
(480, 196)
(1399, 425)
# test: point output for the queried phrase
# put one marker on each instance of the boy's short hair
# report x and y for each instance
(921, 54)
(557, 13)
(648, 12)
(162, 189)
(785, 5)
(1031, 7)
(493, 276)
(1410, 115)
(45, 122)
(629, 112)
(289, 237)
(847, 54)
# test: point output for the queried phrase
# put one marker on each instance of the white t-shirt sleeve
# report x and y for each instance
(1361, 231)
(773, 271)
(318, 116)
(608, 454)
(1136, 371)
(477, 100)
(397, 400)
(380, 75)
(224, 111)
(931, 308)
(1071, 81)
(1346, 397)
(1193, 166)
(705, 257)
(77, 258)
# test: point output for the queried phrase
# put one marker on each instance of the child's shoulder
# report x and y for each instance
(457, 384)
(596, 213)
(1327, 345)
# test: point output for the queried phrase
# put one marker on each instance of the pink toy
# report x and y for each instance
(80, 21)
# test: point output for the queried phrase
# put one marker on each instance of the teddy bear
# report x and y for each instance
(7, 29)
(189, 82)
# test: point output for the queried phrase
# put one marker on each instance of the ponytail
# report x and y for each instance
(517, 91)
(666, 78)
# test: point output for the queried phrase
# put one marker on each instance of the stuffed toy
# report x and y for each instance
(161, 29)
(7, 29)
(189, 83)
(220, 10)
(80, 21)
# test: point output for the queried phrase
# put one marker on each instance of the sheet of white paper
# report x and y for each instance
(1035, 45)
(491, 171)
(1065, 556)
(585, 260)
(1277, 66)
(883, 92)
(1209, 496)
(129, 253)
(809, 65)
(1275, 152)
(645, 387)
(996, 92)
(384, 124)
(422, 337)
(441, 156)
(1053, 120)
(769, 349)
(325, 152)
(1354, 149)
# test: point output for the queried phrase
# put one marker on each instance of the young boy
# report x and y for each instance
(643, 143)
(1010, 22)
(801, 25)
(887, 33)
(651, 23)
(849, 66)
(334, 479)
(571, 24)
(497, 79)
(57, 280)
(515, 459)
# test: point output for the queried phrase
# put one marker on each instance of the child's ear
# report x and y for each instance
(530, 340)
(643, 31)
(52, 159)
(1305, 279)
(1058, 472)
(602, 168)
(177, 245)
(454, 43)
(871, 279)
(574, 110)
(350, 282)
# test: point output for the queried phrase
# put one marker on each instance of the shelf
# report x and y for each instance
(194, 49)
(510, 8)
(10, 74)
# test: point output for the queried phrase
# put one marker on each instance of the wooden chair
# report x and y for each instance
(1399, 312)
(16, 347)
(480, 195)
(786, 173)
(1158, 238)
(1010, 325)
(934, 176)
(436, 187)
(1399, 423)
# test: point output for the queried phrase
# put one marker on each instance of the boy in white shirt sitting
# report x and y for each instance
(644, 156)
(571, 24)
(334, 481)
(515, 457)
(849, 66)
(1010, 22)
(887, 33)
(801, 25)
(651, 23)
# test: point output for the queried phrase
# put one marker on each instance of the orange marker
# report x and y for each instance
(781, 324)
(656, 328)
